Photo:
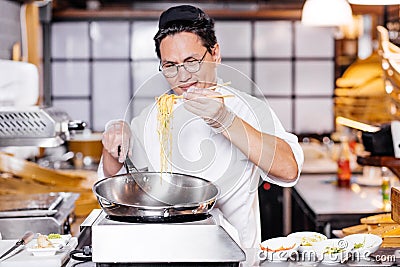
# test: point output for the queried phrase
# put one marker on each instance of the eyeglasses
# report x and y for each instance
(170, 70)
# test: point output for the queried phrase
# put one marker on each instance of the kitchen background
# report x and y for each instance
(94, 56)
(96, 61)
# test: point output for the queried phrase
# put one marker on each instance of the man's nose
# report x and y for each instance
(183, 74)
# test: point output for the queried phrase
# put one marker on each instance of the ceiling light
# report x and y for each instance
(375, 2)
(357, 125)
(326, 13)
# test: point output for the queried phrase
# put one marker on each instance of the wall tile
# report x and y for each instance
(110, 92)
(238, 73)
(314, 115)
(283, 109)
(70, 78)
(227, 33)
(70, 40)
(10, 27)
(273, 77)
(273, 39)
(314, 78)
(147, 80)
(110, 39)
(314, 41)
(140, 103)
(77, 109)
(142, 40)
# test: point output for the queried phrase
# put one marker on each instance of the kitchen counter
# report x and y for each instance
(252, 260)
(328, 207)
(319, 205)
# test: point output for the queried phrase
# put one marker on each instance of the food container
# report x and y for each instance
(88, 144)
(57, 244)
(278, 249)
(333, 250)
(364, 244)
(307, 239)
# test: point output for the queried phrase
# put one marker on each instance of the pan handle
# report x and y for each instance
(105, 203)
(129, 166)
(76, 125)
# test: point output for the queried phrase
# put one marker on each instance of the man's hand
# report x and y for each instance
(116, 139)
(212, 110)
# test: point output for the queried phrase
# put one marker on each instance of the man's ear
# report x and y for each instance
(216, 54)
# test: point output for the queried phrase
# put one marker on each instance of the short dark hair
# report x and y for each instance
(186, 18)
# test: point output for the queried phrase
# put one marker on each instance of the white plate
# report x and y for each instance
(307, 239)
(344, 247)
(58, 243)
(368, 181)
(279, 248)
(364, 244)
(44, 251)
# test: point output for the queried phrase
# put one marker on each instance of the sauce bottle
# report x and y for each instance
(386, 187)
(344, 170)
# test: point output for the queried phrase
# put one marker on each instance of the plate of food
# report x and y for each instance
(279, 248)
(333, 250)
(364, 244)
(307, 239)
(47, 245)
(368, 181)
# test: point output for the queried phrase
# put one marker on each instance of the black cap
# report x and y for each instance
(183, 13)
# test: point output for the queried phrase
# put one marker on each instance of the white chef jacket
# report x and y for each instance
(197, 150)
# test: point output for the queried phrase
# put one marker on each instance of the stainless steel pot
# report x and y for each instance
(148, 196)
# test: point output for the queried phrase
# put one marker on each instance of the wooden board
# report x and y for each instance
(381, 225)
(378, 219)
(32, 171)
(22, 177)
(395, 200)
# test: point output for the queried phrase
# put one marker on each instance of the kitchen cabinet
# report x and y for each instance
(271, 210)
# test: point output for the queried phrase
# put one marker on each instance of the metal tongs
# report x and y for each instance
(129, 166)
(143, 182)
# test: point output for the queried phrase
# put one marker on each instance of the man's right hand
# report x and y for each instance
(116, 139)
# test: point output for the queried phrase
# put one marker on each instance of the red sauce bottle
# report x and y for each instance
(344, 170)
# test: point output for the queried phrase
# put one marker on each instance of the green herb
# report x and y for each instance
(360, 245)
(309, 240)
(54, 236)
(333, 250)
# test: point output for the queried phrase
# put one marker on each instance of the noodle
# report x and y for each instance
(165, 105)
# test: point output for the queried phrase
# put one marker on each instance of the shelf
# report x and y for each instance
(117, 13)
(385, 161)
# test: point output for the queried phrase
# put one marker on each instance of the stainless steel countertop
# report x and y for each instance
(323, 197)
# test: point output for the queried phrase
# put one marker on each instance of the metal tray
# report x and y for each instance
(29, 205)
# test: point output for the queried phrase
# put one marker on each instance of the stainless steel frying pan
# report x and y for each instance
(148, 196)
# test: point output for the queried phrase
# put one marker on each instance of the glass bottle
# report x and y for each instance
(386, 187)
(344, 170)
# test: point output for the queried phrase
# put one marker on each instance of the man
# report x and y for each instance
(230, 142)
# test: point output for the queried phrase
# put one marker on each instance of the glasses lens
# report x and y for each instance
(192, 66)
(169, 71)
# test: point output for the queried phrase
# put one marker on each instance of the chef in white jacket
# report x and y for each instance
(231, 142)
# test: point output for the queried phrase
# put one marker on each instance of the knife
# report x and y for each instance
(23, 241)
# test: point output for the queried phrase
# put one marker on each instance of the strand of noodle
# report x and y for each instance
(164, 116)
